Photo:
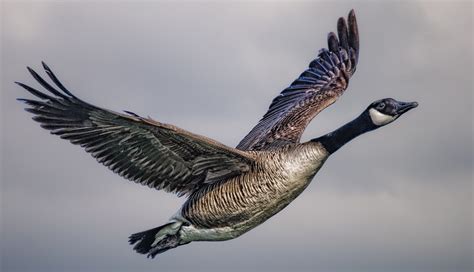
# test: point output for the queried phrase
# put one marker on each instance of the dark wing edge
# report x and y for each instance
(139, 149)
(315, 89)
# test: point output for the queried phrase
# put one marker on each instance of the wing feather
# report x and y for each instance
(139, 149)
(325, 80)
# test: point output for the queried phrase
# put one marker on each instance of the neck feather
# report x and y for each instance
(336, 139)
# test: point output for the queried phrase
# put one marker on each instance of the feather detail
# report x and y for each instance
(324, 81)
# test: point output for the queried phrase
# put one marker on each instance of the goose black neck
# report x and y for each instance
(336, 139)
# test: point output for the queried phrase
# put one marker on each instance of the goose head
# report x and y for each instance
(387, 110)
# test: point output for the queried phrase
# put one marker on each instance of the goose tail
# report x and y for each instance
(157, 240)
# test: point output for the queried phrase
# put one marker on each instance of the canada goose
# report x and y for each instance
(230, 191)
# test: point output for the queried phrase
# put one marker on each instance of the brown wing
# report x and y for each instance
(139, 149)
(316, 88)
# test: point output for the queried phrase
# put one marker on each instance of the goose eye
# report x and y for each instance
(381, 106)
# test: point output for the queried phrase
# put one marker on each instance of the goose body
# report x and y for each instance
(230, 190)
(244, 202)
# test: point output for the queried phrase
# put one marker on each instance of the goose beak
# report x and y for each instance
(403, 107)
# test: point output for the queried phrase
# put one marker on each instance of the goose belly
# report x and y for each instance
(227, 210)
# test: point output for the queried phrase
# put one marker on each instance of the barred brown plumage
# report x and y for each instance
(231, 190)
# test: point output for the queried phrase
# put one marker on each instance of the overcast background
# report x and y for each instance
(397, 199)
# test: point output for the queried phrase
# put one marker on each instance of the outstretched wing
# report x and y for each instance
(139, 149)
(316, 88)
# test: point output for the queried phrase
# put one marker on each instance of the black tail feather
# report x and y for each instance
(147, 242)
(145, 239)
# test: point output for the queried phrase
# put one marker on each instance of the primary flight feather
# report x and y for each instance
(326, 78)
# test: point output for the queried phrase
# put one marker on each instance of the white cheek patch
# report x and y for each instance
(379, 118)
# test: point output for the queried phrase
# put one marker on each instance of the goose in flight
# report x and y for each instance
(229, 190)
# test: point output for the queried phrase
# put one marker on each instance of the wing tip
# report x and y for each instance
(353, 32)
(46, 67)
(343, 34)
(351, 13)
(352, 22)
(23, 85)
(347, 34)
(341, 22)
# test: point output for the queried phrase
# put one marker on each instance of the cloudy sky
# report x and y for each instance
(397, 199)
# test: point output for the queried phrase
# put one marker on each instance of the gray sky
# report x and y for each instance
(397, 199)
